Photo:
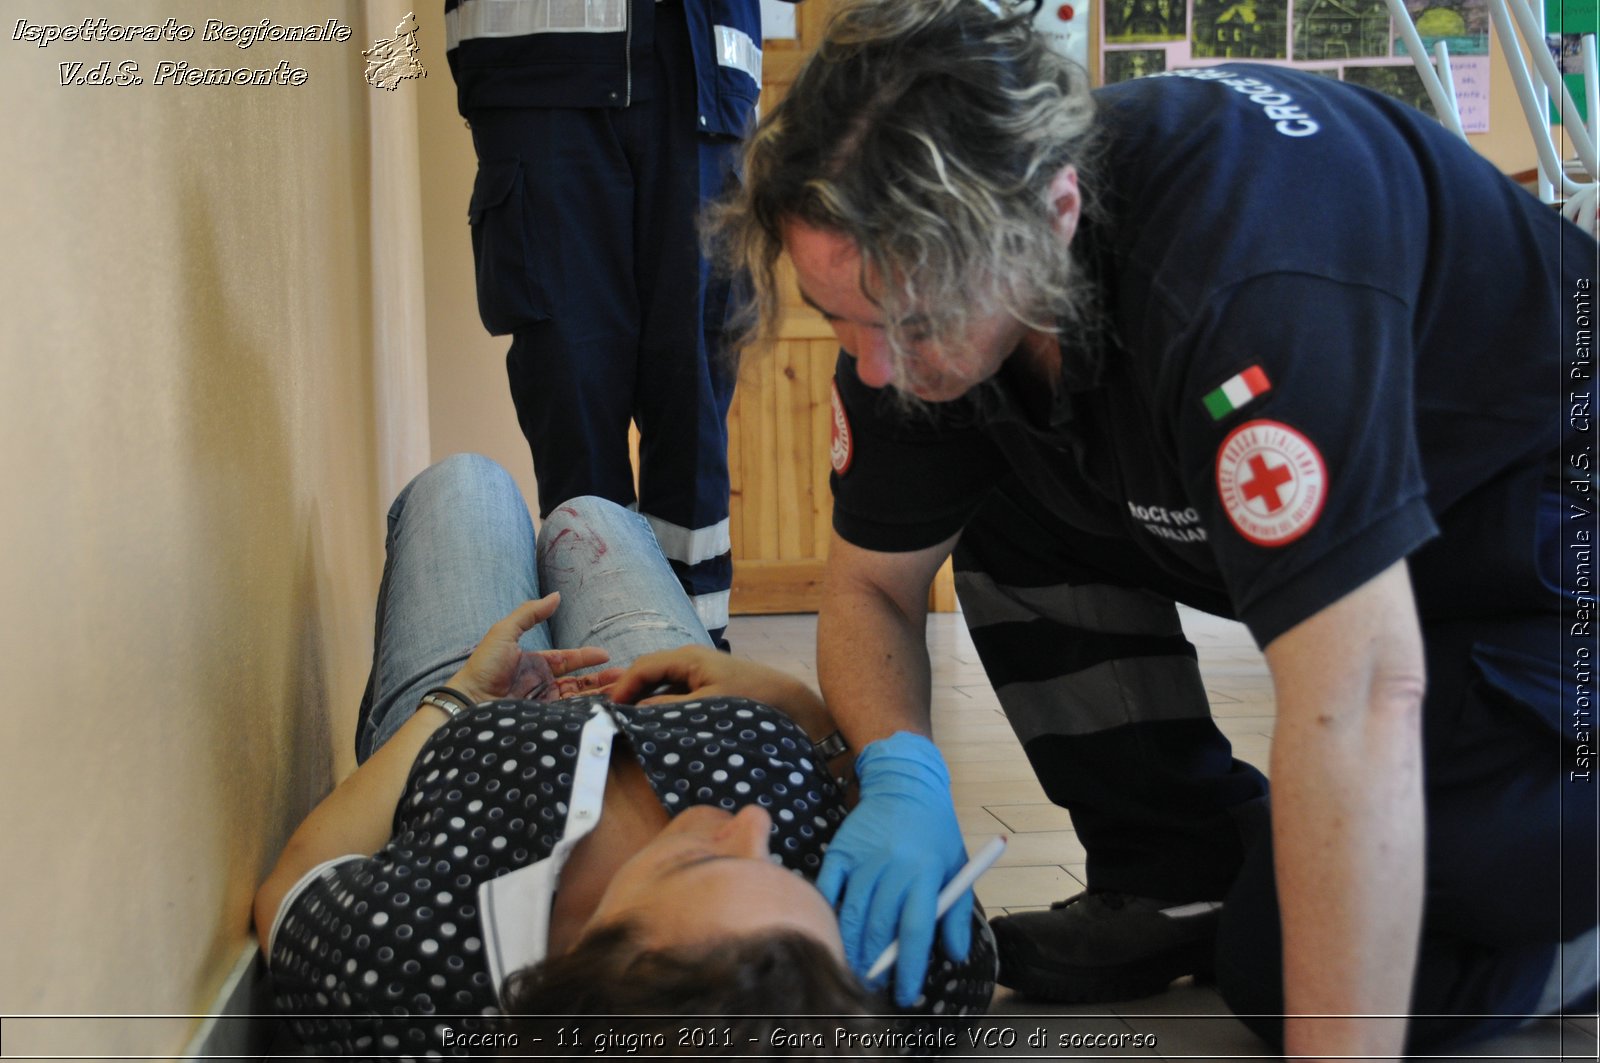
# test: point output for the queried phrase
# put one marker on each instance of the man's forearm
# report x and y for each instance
(1348, 834)
(872, 662)
(1347, 811)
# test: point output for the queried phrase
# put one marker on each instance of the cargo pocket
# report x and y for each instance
(1522, 682)
(510, 295)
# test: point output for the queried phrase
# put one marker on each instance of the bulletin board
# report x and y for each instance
(1353, 40)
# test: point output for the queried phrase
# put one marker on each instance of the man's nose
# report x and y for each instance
(874, 359)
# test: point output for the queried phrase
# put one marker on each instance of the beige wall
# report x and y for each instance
(469, 399)
(190, 537)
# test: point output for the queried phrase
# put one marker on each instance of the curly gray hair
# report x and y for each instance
(927, 132)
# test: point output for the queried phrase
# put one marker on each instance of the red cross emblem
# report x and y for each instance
(1272, 482)
(841, 444)
(1264, 482)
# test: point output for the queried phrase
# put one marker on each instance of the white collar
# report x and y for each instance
(515, 908)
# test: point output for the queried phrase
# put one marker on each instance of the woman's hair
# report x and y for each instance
(927, 132)
(749, 988)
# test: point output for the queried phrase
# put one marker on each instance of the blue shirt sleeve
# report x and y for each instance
(905, 480)
(1314, 485)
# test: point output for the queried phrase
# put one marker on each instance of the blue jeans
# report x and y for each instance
(461, 555)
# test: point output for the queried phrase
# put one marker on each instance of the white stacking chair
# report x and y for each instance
(1573, 186)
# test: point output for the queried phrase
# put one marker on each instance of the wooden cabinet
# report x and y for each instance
(779, 428)
(778, 433)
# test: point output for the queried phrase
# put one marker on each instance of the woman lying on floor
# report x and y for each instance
(487, 759)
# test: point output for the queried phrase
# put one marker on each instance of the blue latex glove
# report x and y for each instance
(890, 858)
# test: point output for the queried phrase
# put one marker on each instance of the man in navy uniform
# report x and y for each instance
(1246, 339)
(600, 130)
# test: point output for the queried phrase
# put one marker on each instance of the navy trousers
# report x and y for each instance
(1080, 637)
(584, 235)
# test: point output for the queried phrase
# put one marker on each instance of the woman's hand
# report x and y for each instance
(357, 817)
(701, 672)
(501, 668)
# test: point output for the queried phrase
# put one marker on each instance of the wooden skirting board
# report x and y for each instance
(761, 588)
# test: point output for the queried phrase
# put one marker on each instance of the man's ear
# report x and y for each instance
(1065, 203)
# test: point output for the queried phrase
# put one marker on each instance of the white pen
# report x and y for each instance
(953, 889)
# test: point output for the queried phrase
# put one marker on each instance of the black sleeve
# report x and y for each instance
(904, 480)
(1315, 485)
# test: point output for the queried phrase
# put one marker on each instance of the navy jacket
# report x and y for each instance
(508, 54)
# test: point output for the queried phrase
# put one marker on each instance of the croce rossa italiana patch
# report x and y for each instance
(1272, 482)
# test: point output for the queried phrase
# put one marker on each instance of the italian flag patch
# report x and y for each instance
(1235, 392)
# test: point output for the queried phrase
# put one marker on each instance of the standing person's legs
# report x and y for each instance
(617, 590)
(459, 556)
(553, 239)
(685, 384)
(1102, 688)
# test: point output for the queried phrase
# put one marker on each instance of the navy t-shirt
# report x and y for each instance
(1327, 330)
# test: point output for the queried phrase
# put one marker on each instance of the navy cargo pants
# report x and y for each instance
(587, 255)
(1081, 640)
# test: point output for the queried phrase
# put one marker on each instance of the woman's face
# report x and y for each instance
(708, 875)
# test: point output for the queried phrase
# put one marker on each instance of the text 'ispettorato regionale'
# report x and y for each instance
(100, 30)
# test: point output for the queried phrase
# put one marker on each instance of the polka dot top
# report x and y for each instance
(374, 955)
